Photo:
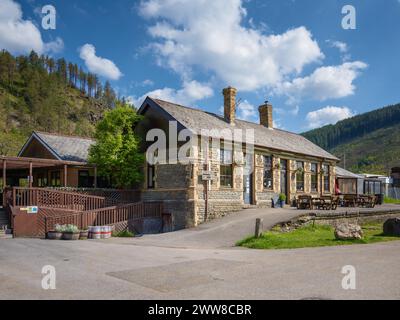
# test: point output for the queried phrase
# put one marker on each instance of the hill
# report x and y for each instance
(40, 93)
(369, 143)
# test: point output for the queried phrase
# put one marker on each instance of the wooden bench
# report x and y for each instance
(304, 202)
(349, 200)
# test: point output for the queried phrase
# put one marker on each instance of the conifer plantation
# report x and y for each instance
(40, 93)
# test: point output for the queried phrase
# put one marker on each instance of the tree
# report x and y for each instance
(109, 96)
(117, 152)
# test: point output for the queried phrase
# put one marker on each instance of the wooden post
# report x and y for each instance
(65, 175)
(95, 177)
(30, 175)
(259, 228)
(4, 181)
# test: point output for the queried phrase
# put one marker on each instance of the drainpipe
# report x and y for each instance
(206, 184)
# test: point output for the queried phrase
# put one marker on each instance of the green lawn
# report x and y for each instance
(390, 200)
(313, 236)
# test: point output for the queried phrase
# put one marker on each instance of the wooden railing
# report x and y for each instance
(113, 196)
(22, 197)
(107, 216)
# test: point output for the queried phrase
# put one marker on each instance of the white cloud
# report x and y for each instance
(98, 65)
(54, 46)
(327, 115)
(147, 82)
(294, 111)
(190, 92)
(324, 83)
(246, 111)
(210, 35)
(21, 36)
(343, 49)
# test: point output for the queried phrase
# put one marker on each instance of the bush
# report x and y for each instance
(67, 228)
(123, 234)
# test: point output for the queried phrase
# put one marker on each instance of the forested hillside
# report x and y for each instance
(370, 142)
(40, 93)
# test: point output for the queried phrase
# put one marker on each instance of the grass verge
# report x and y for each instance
(390, 200)
(313, 236)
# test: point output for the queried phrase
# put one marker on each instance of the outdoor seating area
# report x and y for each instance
(308, 202)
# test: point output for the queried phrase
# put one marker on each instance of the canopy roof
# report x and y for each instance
(24, 163)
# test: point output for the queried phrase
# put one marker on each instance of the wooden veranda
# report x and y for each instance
(21, 166)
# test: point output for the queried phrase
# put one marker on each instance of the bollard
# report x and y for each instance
(259, 228)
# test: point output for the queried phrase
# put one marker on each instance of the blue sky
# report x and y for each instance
(294, 53)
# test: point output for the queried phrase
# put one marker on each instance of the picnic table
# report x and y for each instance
(365, 201)
(322, 203)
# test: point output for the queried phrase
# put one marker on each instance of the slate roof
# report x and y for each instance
(67, 148)
(196, 120)
(343, 173)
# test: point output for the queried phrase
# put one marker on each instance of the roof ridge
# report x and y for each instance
(63, 135)
(178, 105)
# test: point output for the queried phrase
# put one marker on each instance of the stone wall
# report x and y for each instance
(182, 190)
(335, 218)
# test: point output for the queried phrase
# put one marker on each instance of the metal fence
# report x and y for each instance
(394, 193)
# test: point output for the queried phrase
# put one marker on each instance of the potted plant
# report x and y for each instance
(282, 200)
(70, 232)
(84, 234)
(55, 234)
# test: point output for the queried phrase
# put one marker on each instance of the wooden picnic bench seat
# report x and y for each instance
(304, 202)
(349, 200)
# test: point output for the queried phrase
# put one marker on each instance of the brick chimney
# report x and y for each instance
(229, 104)
(266, 119)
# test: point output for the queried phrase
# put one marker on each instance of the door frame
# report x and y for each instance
(251, 178)
(287, 180)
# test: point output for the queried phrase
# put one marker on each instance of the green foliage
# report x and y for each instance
(123, 234)
(313, 236)
(40, 93)
(67, 228)
(282, 197)
(370, 142)
(116, 152)
(390, 200)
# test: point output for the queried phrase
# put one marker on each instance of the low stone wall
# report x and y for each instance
(334, 218)
(144, 226)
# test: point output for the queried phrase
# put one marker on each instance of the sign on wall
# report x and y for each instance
(31, 210)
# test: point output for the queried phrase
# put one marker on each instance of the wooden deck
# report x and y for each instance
(80, 209)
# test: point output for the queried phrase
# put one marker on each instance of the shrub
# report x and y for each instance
(123, 234)
(67, 228)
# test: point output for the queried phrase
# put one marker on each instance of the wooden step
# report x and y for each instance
(6, 234)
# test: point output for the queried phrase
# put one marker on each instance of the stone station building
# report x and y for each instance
(282, 163)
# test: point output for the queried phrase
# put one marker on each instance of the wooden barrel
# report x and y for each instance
(95, 232)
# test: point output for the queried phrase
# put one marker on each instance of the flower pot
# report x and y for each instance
(54, 235)
(281, 203)
(71, 236)
(84, 235)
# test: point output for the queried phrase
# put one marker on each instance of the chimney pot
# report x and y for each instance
(230, 104)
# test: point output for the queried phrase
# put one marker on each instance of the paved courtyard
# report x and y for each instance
(200, 263)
